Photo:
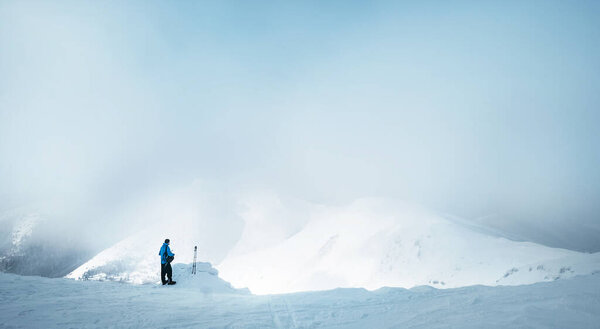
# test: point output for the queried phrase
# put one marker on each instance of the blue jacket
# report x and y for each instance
(164, 251)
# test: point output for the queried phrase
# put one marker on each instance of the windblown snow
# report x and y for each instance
(371, 243)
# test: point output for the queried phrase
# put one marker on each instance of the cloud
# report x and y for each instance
(472, 111)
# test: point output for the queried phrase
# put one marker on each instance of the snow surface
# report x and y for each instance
(35, 302)
(371, 243)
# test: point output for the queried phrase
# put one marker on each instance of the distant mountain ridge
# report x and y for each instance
(369, 243)
(26, 249)
(380, 242)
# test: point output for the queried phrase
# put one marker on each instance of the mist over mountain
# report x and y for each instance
(117, 117)
(303, 164)
(370, 243)
(32, 245)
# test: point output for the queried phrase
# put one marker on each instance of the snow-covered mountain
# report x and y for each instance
(17, 227)
(27, 248)
(297, 246)
(377, 242)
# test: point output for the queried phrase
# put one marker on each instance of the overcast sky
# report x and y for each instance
(487, 111)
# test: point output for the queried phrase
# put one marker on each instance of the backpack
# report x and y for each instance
(168, 258)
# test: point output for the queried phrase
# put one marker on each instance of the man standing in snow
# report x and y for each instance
(166, 256)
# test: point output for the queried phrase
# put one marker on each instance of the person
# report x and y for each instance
(166, 256)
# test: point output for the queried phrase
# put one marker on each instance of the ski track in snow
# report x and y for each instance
(34, 302)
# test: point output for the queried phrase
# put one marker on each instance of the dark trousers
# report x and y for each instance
(166, 269)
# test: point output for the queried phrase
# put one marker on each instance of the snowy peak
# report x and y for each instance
(370, 243)
(376, 242)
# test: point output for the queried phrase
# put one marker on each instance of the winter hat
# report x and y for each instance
(167, 240)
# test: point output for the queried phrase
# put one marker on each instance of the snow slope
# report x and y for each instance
(136, 260)
(297, 246)
(35, 302)
(377, 242)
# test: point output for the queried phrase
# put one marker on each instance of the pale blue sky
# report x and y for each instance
(475, 109)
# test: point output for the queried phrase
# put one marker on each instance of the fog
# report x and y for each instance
(115, 116)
